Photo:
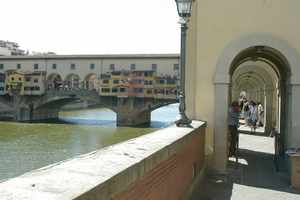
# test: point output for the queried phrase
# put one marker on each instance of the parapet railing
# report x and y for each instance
(161, 165)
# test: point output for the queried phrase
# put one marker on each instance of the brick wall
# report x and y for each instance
(171, 179)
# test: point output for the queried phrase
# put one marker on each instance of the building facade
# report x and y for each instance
(110, 75)
(243, 45)
(8, 48)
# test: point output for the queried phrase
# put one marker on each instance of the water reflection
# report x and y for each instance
(24, 147)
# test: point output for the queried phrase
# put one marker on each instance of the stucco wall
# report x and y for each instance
(219, 31)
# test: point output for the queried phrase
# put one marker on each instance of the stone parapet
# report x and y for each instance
(160, 165)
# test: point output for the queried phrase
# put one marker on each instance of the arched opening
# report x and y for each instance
(261, 74)
(72, 82)
(54, 81)
(92, 116)
(90, 82)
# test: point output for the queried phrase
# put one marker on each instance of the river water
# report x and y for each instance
(28, 146)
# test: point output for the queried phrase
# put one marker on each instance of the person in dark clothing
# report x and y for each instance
(233, 124)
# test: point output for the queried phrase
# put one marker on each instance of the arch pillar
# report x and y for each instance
(221, 129)
(268, 110)
(293, 139)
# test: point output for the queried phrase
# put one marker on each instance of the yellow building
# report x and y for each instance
(105, 85)
(243, 45)
(25, 83)
(166, 87)
(15, 82)
(149, 83)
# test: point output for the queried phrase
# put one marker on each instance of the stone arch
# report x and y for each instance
(273, 49)
(54, 81)
(90, 81)
(72, 81)
(225, 60)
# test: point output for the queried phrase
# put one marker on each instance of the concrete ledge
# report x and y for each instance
(105, 173)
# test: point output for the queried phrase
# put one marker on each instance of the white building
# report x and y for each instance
(8, 48)
(85, 66)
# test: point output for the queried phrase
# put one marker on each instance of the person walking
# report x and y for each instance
(233, 124)
(253, 116)
(260, 110)
(246, 112)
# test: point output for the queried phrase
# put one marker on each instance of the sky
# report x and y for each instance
(91, 26)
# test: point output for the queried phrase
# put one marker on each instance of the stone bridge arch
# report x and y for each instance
(284, 59)
(54, 81)
(90, 81)
(72, 82)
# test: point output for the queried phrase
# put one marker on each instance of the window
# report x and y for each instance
(171, 81)
(116, 81)
(92, 66)
(132, 67)
(1, 88)
(12, 78)
(36, 66)
(105, 81)
(154, 67)
(27, 79)
(73, 66)
(105, 90)
(161, 81)
(20, 79)
(1, 66)
(122, 89)
(176, 67)
(18, 66)
(54, 66)
(148, 82)
(148, 74)
(149, 91)
(139, 90)
(36, 80)
(115, 90)
(2, 78)
(112, 67)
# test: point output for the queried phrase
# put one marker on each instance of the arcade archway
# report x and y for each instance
(54, 81)
(72, 81)
(90, 82)
(264, 73)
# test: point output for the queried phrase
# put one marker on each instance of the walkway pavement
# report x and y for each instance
(254, 179)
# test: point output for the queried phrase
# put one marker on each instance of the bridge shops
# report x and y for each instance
(132, 94)
(138, 84)
(117, 83)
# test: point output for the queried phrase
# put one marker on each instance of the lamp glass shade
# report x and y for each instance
(184, 7)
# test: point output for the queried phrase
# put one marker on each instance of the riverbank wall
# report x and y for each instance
(162, 165)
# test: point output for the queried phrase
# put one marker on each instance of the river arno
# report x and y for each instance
(24, 146)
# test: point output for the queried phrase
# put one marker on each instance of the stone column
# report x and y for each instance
(221, 129)
(294, 122)
(269, 110)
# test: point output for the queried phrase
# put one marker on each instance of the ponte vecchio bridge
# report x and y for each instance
(37, 87)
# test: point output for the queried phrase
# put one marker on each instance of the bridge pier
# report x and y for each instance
(24, 114)
(132, 119)
(131, 112)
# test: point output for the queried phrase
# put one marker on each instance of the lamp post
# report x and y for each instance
(184, 8)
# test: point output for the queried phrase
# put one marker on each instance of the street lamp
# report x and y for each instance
(184, 8)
